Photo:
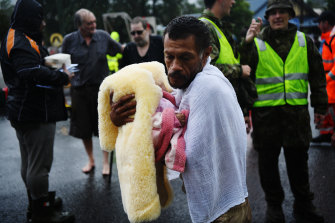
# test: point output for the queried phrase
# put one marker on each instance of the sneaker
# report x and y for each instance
(274, 214)
(322, 139)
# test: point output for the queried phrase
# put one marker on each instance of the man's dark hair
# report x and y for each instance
(328, 16)
(184, 26)
(137, 20)
(209, 3)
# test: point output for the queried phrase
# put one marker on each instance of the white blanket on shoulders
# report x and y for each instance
(216, 142)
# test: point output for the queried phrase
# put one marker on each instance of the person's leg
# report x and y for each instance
(297, 169)
(240, 213)
(270, 182)
(36, 145)
(23, 151)
(88, 144)
(105, 163)
(269, 174)
(80, 126)
(41, 140)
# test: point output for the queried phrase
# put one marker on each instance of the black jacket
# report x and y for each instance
(35, 91)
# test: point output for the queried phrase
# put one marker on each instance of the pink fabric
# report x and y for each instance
(168, 134)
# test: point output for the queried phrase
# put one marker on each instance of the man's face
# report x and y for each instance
(183, 61)
(324, 26)
(226, 6)
(88, 26)
(42, 26)
(278, 19)
(139, 34)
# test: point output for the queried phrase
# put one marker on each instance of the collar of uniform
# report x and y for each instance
(269, 33)
(223, 23)
(208, 14)
(82, 40)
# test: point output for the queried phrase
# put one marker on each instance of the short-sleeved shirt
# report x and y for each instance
(154, 53)
(91, 60)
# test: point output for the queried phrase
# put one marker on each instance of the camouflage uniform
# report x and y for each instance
(285, 126)
(244, 87)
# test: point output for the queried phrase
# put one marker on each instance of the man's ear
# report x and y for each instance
(207, 53)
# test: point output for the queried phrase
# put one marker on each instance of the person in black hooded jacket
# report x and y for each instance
(35, 103)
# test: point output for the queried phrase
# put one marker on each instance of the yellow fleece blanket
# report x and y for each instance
(140, 179)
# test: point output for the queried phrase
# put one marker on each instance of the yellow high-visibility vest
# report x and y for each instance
(277, 82)
(226, 55)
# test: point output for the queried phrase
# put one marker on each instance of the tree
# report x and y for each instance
(133, 8)
(240, 17)
(6, 10)
(331, 5)
(59, 14)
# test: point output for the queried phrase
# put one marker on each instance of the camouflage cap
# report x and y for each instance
(279, 4)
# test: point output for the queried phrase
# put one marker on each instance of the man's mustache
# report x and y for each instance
(176, 74)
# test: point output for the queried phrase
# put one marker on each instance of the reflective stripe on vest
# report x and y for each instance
(226, 55)
(11, 38)
(280, 83)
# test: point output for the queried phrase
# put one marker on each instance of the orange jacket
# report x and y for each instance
(328, 57)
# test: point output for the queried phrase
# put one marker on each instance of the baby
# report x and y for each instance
(168, 133)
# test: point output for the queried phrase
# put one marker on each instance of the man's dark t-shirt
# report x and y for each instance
(155, 52)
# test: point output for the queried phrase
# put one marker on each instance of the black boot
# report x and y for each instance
(322, 138)
(44, 212)
(274, 214)
(305, 212)
(55, 201)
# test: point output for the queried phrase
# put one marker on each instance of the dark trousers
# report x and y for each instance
(297, 169)
(36, 146)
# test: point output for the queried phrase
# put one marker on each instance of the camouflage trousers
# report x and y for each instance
(238, 214)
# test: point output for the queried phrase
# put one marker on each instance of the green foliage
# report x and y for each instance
(331, 5)
(240, 18)
(133, 8)
(6, 10)
(59, 14)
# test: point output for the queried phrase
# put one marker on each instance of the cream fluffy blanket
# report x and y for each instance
(144, 185)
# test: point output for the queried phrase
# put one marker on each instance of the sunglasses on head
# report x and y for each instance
(138, 32)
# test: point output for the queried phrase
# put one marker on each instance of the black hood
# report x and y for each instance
(27, 17)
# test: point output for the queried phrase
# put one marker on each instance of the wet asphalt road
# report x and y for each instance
(94, 199)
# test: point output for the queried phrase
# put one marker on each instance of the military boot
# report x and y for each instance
(274, 214)
(305, 212)
(44, 212)
(55, 201)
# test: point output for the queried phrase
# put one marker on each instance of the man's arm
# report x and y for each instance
(331, 74)
(316, 79)
(29, 69)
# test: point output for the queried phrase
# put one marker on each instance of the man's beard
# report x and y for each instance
(188, 81)
(141, 42)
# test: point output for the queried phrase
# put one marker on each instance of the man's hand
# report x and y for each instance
(247, 124)
(246, 71)
(70, 75)
(122, 109)
(318, 119)
(254, 29)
